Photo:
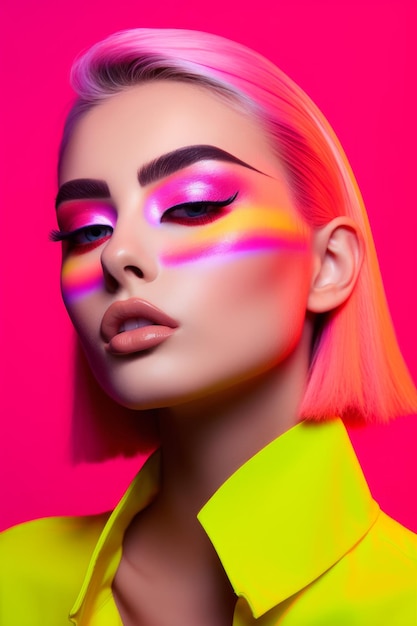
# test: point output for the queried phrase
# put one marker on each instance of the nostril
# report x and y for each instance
(111, 283)
(134, 270)
(114, 280)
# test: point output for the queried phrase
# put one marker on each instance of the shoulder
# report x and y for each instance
(382, 574)
(393, 546)
(373, 583)
(41, 545)
(43, 564)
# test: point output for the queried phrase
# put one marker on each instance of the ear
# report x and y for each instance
(338, 253)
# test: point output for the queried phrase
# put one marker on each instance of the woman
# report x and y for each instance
(219, 269)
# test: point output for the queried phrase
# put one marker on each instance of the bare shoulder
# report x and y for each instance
(43, 564)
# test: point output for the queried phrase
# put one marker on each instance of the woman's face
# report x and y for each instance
(186, 267)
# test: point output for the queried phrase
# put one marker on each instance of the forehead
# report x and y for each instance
(143, 122)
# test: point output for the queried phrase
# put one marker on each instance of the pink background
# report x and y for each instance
(355, 58)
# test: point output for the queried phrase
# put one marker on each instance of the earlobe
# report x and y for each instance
(338, 254)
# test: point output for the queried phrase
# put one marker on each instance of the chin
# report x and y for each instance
(142, 395)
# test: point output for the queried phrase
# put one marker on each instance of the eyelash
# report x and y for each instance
(214, 210)
(71, 237)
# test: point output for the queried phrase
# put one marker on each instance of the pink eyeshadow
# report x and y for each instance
(74, 215)
(205, 182)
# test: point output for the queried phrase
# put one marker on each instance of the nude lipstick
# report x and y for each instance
(135, 325)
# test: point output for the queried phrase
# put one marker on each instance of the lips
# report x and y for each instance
(135, 325)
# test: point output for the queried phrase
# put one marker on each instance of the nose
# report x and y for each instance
(128, 256)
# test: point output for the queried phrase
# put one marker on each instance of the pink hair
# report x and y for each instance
(357, 370)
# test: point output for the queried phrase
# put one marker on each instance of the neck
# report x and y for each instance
(205, 441)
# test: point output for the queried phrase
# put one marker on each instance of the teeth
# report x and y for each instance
(139, 322)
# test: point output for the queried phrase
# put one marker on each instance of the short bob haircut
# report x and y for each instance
(357, 371)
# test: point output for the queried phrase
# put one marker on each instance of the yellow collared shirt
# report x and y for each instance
(296, 529)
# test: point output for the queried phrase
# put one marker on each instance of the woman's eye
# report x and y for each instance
(84, 239)
(90, 234)
(197, 213)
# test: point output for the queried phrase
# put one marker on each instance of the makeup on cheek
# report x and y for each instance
(247, 230)
(80, 279)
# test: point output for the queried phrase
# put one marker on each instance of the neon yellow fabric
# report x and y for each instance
(297, 531)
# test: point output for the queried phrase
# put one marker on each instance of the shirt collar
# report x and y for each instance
(277, 523)
(96, 588)
(289, 513)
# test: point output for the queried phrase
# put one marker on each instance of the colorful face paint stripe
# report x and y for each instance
(251, 244)
(78, 281)
(244, 230)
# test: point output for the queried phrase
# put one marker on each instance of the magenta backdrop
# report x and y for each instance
(355, 58)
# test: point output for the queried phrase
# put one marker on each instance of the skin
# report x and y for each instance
(231, 377)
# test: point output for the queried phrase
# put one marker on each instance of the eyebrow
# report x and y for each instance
(161, 167)
(183, 157)
(81, 189)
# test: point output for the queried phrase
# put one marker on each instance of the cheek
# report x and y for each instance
(252, 308)
(81, 276)
(269, 292)
(250, 273)
(267, 308)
